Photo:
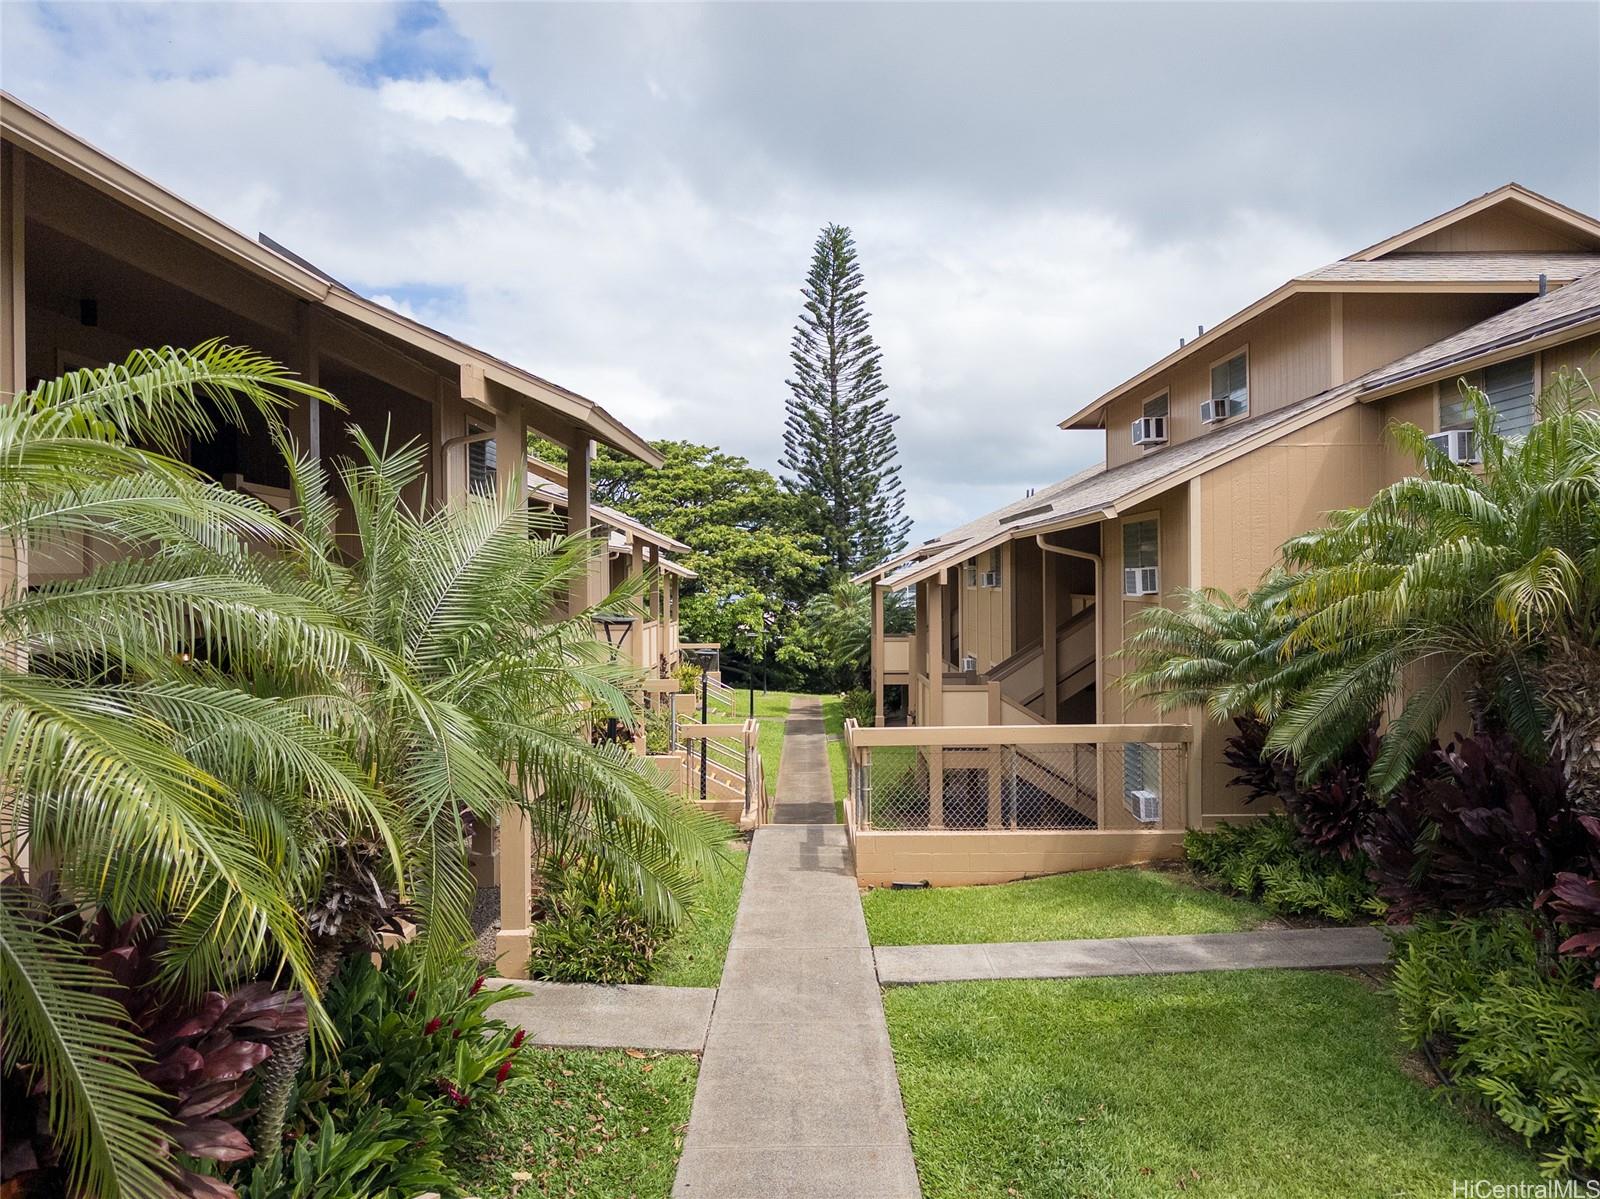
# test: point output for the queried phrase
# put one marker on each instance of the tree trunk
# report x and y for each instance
(1571, 680)
(279, 1072)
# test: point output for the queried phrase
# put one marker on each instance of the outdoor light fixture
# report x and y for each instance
(618, 624)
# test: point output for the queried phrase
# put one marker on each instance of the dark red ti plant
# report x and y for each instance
(1478, 826)
(1330, 813)
(1574, 900)
(203, 1053)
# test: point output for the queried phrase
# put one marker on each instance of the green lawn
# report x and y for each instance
(1280, 1084)
(833, 723)
(771, 710)
(1092, 903)
(696, 952)
(587, 1123)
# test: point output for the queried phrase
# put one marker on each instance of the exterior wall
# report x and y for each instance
(1380, 327)
(1290, 358)
(953, 859)
(1497, 229)
(984, 624)
(1172, 509)
(1581, 355)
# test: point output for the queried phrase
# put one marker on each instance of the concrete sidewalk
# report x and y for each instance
(805, 788)
(797, 1096)
(585, 1016)
(1294, 949)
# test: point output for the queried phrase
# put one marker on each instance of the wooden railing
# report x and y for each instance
(722, 760)
(1019, 777)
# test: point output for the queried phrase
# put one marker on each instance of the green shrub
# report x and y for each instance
(420, 1068)
(1264, 860)
(858, 705)
(589, 933)
(657, 732)
(1515, 1027)
(688, 676)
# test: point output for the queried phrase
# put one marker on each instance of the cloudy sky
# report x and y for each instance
(1045, 197)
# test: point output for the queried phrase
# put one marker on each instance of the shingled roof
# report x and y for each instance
(1097, 493)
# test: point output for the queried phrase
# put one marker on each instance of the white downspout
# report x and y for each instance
(1099, 613)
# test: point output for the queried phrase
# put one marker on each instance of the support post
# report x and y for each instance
(877, 653)
(516, 894)
(13, 379)
(589, 590)
(1049, 665)
(935, 663)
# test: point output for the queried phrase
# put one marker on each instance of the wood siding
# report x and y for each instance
(1498, 230)
(1384, 326)
(1172, 509)
(1291, 357)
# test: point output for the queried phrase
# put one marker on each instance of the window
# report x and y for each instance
(1230, 384)
(482, 477)
(1508, 386)
(1150, 430)
(992, 577)
(1141, 554)
(971, 573)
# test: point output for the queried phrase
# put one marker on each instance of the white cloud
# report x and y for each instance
(586, 210)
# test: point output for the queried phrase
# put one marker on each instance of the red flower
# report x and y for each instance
(516, 1041)
(411, 996)
(456, 1035)
(432, 1026)
(478, 986)
(503, 1073)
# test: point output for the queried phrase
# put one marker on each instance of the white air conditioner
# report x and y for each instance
(1214, 412)
(1458, 445)
(1150, 430)
(969, 664)
(1145, 806)
(1140, 580)
(991, 578)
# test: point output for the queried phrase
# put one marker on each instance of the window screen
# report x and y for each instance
(1508, 386)
(1157, 406)
(1230, 381)
(1140, 544)
(482, 478)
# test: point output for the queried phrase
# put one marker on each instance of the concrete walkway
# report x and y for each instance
(1293, 949)
(585, 1016)
(797, 1096)
(805, 789)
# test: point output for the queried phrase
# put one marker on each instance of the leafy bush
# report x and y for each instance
(688, 676)
(1478, 826)
(858, 705)
(1264, 860)
(419, 1069)
(592, 933)
(657, 732)
(1574, 900)
(1330, 813)
(202, 1053)
(1515, 1030)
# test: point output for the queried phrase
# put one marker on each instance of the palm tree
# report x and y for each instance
(149, 783)
(469, 601)
(1483, 580)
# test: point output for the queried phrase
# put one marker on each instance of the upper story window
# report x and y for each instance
(991, 577)
(1508, 386)
(1150, 429)
(482, 477)
(1230, 389)
(1141, 557)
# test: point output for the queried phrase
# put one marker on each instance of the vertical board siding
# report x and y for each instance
(1495, 230)
(1290, 351)
(1382, 327)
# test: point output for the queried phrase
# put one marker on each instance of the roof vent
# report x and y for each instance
(1544, 284)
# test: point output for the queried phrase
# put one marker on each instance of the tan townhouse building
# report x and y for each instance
(97, 260)
(1243, 436)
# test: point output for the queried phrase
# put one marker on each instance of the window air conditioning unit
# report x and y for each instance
(1150, 430)
(1145, 806)
(969, 664)
(1214, 412)
(1140, 580)
(991, 578)
(1456, 445)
